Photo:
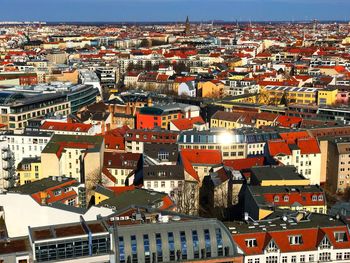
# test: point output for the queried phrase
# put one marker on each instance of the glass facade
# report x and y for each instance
(72, 248)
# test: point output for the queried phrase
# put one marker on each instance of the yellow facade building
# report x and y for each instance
(327, 96)
(211, 89)
(29, 170)
(304, 96)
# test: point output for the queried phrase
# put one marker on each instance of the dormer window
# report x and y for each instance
(276, 198)
(109, 162)
(340, 236)
(295, 240)
(314, 198)
(163, 155)
(286, 198)
(251, 242)
(320, 198)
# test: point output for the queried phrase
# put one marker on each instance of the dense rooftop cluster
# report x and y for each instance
(162, 143)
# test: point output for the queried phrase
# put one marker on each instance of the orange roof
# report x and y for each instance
(64, 126)
(291, 137)
(187, 124)
(198, 156)
(308, 146)
(246, 163)
(278, 147)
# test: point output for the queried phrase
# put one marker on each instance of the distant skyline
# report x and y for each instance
(172, 10)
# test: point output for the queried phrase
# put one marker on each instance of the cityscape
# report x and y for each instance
(195, 138)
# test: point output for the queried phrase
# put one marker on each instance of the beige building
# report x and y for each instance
(336, 163)
(78, 157)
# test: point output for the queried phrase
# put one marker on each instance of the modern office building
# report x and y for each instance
(17, 108)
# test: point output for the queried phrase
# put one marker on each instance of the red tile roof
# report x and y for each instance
(64, 126)
(246, 163)
(291, 137)
(187, 124)
(210, 157)
(288, 121)
(278, 147)
(311, 239)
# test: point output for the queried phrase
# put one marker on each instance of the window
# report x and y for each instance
(71, 202)
(183, 244)
(207, 243)
(325, 256)
(219, 241)
(251, 242)
(294, 259)
(286, 198)
(347, 255)
(121, 250)
(159, 247)
(325, 243)
(314, 198)
(171, 245)
(146, 248)
(340, 236)
(195, 242)
(134, 249)
(162, 184)
(272, 247)
(311, 258)
(163, 155)
(295, 240)
(276, 198)
(339, 256)
(320, 198)
(302, 258)
(284, 259)
(271, 259)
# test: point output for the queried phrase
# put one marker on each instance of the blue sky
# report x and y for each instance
(173, 10)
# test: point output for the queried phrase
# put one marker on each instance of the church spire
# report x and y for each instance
(187, 26)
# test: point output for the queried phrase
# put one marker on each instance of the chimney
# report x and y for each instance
(43, 198)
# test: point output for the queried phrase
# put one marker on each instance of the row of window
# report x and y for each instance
(323, 257)
(174, 254)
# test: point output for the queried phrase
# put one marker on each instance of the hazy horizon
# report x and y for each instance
(173, 10)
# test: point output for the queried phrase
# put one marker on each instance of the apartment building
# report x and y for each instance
(17, 108)
(29, 170)
(304, 153)
(136, 139)
(231, 144)
(161, 115)
(117, 167)
(261, 201)
(26, 144)
(78, 157)
(336, 163)
(306, 96)
(294, 237)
